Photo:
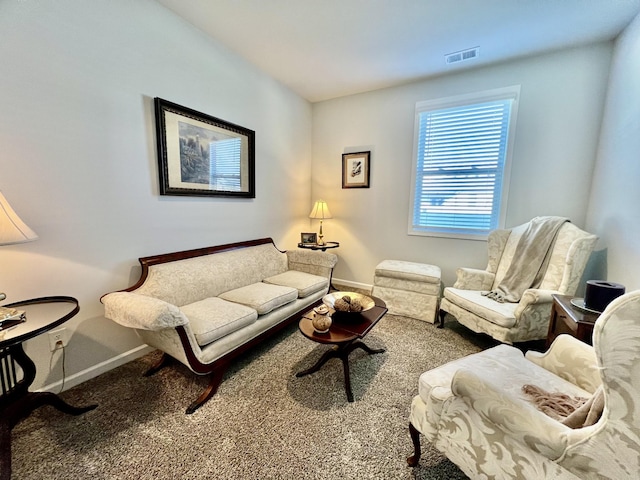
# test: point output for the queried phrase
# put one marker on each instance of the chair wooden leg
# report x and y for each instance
(415, 438)
(442, 315)
(210, 391)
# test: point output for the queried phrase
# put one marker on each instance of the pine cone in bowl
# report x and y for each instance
(355, 305)
(341, 305)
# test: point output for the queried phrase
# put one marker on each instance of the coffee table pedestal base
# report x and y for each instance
(342, 352)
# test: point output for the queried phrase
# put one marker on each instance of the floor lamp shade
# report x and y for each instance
(12, 228)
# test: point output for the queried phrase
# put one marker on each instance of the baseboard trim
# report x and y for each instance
(98, 369)
(348, 283)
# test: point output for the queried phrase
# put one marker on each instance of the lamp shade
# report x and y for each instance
(320, 210)
(12, 229)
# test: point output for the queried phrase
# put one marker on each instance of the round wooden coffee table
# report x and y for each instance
(345, 335)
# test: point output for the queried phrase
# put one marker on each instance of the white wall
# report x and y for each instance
(78, 156)
(614, 205)
(561, 103)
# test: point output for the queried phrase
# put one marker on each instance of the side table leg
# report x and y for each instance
(37, 399)
(19, 409)
(347, 377)
(366, 348)
(342, 352)
(344, 355)
(331, 353)
(5, 449)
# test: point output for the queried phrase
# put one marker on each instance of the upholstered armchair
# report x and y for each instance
(476, 412)
(528, 318)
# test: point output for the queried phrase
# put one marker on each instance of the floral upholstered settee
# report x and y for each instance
(205, 307)
(474, 409)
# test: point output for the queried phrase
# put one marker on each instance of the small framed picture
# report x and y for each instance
(308, 238)
(355, 170)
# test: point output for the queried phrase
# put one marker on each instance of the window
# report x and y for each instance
(461, 164)
(224, 163)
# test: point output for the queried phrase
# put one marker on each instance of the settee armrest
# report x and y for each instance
(570, 359)
(515, 416)
(473, 279)
(143, 312)
(310, 261)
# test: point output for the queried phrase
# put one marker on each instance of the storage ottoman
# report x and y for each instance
(408, 288)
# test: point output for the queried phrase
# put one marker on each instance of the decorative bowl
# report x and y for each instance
(366, 302)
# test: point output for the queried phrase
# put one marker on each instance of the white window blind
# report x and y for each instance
(224, 162)
(460, 165)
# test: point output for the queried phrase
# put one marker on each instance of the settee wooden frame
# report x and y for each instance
(216, 369)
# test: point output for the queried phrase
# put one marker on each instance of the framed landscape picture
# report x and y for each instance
(355, 170)
(308, 238)
(203, 155)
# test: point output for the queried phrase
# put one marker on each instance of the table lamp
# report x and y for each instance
(320, 211)
(12, 230)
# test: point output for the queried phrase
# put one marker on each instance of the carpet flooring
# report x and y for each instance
(264, 422)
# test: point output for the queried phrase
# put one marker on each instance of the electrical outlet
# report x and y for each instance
(58, 339)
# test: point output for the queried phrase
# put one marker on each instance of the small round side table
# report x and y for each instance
(315, 246)
(16, 401)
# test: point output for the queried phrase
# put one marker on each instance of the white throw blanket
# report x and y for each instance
(530, 259)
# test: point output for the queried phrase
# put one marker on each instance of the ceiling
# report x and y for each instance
(324, 49)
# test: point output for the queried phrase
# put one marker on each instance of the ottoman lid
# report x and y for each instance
(401, 269)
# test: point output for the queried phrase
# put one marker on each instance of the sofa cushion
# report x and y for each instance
(213, 318)
(305, 283)
(262, 297)
(502, 314)
(403, 270)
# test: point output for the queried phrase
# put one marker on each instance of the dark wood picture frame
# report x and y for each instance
(308, 238)
(356, 169)
(203, 155)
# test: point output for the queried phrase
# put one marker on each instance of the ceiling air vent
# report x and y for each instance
(462, 55)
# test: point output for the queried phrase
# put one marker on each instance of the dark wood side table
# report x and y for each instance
(315, 246)
(345, 336)
(17, 370)
(566, 318)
